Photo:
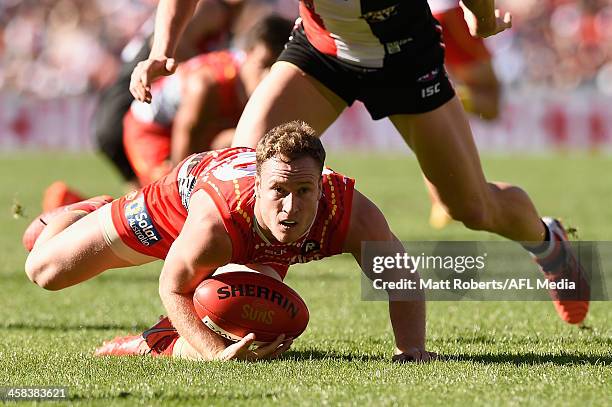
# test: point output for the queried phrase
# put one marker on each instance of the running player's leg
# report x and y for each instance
(443, 143)
(287, 93)
(76, 246)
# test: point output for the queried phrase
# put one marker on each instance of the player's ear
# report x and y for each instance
(257, 185)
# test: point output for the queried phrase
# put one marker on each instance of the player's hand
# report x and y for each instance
(146, 72)
(417, 355)
(487, 27)
(240, 350)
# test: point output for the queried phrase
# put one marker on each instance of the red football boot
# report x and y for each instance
(158, 340)
(58, 194)
(123, 346)
(36, 227)
(562, 264)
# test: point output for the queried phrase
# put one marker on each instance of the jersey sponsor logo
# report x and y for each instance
(381, 15)
(140, 222)
(186, 180)
(395, 47)
(310, 246)
(430, 76)
(131, 195)
(430, 90)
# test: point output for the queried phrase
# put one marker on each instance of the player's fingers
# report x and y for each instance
(423, 356)
(508, 19)
(415, 355)
(170, 65)
(497, 13)
(245, 342)
(240, 349)
(284, 347)
(266, 350)
(402, 358)
(137, 88)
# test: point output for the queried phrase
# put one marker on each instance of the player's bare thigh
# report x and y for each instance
(443, 143)
(287, 93)
(81, 251)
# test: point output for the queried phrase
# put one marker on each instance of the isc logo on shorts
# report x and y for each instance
(140, 222)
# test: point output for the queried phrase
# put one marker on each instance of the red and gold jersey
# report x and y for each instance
(223, 66)
(228, 176)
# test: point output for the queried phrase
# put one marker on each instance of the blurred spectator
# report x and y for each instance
(51, 48)
(562, 44)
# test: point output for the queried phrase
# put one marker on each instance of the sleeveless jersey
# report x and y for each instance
(369, 33)
(228, 177)
(166, 92)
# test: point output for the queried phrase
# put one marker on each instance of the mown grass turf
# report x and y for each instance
(498, 353)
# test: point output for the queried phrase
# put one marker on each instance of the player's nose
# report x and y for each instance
(290, 204)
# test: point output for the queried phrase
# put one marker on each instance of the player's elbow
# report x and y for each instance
(43, 274)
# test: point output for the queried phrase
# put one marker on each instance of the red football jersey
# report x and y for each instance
(228, 176)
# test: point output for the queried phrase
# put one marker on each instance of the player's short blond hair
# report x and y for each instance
(290, 141)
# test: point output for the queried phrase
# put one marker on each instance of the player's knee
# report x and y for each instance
(43, 273)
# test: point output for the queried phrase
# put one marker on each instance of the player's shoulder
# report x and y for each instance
(367, 223)
(205, 229)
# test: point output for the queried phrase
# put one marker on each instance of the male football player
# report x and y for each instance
(208, 30)
(255, 208)
(388, 55)
(204, 98)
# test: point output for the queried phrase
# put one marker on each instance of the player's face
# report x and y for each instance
(256, 65)
(287, 197)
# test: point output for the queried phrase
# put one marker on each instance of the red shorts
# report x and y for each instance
(147, 146)
(130, 221)
(461, 47)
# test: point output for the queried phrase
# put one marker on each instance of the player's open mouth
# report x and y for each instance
(288, 223)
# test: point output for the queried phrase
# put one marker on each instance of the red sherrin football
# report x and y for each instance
(237, 303)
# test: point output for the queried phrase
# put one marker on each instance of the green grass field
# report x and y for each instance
(498, 353)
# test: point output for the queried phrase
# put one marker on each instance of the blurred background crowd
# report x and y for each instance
(51, 48)
(58, 56)
(564, 44)
(63, 47)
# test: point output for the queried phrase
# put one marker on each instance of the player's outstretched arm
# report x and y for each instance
(484, 20)
(170, 21)
(407, 317)
(202, 246)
